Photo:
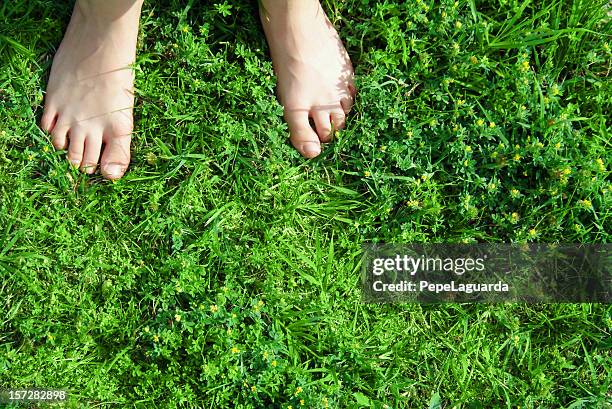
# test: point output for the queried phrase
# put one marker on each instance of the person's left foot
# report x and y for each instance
(315, 74)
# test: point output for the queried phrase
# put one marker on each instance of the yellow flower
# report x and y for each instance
(458, 24)
(185, 29)
(532, 233)
(274, 363)
(235, 350)
(383, 148)
(214, 308)
(586, 203)
(517, 157)
(567, 171)
(515, 217)
(474, 60)
(366, 174)
(177, 318)
(491, 124)
(253, 388)
(525, 66)
(298, 390)
(558, 145)
(461, 102)
(555, 90)
(265, 355)
(301, 402)
(515, 193)
(155, 338)
(480, 122)
(146, 329)
(600, 164)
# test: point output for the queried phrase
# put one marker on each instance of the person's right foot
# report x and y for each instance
(89, 99)
(314, 71)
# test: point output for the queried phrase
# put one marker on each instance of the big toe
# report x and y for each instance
(116, 157)
(303, 137)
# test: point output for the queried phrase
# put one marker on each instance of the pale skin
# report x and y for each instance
(90, 95)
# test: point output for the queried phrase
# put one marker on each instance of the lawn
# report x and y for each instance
(223, 270)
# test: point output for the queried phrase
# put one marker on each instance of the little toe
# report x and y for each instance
(347, 104)
(338, 118)
(323, 124)
(303, 137)
(48, 119)
(116, 157)
(59, 136)
(91, 155)
(76, 146)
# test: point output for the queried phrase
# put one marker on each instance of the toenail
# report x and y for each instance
(114, 170)
(311, 149)
(89, 169)
(75, 163)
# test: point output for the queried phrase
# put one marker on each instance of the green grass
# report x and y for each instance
(223, 270)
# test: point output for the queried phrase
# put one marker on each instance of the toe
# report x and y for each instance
(76, 146)
(91, 155)
(338, 118)
(347, 99)
(48, 120)
(322, 122)
(347, 104)
(59, 136)
(116, 156)
(303, 137)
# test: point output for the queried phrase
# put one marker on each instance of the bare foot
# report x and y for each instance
(315, 74)
(89, 99)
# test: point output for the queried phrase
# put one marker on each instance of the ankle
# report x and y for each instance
(288, 9)
(108, 11)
